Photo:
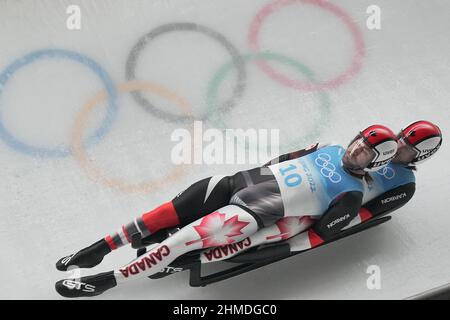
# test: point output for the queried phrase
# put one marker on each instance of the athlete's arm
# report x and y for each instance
(294, 154)
(338, 215)
(389, 201)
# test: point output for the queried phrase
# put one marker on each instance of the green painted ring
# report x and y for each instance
(214, 84)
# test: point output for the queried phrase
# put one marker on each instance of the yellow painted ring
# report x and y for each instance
(93, 171)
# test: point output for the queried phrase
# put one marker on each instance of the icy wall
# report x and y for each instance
(86, 116)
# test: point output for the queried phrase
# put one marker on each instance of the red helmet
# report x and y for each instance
(417, 142)
(371, 149)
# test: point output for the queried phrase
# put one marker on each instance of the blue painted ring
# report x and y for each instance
(34, 56)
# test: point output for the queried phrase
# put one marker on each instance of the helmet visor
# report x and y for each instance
(358, 155)
(405, 152)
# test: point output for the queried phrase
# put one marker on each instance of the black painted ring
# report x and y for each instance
(237, 60)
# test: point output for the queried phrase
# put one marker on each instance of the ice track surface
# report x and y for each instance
(75, 165)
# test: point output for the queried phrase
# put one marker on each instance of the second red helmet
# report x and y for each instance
(418, 141)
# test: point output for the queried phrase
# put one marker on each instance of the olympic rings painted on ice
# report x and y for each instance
(222, 72)
(172, 27)
(94, 172)
(352, 70)
(11, 69)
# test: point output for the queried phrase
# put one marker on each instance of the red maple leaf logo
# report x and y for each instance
(290, 226)
(215, 231)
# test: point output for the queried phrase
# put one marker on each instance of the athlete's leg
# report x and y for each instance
(196, 201)
(226, 225)
(283, 229)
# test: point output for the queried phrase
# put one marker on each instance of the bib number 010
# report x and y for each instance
(291, 178)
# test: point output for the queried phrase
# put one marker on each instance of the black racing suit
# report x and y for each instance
(257, 192)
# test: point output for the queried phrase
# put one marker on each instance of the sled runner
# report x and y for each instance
(246, 261)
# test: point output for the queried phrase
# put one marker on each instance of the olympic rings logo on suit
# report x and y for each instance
(328, 169)
(387, 172)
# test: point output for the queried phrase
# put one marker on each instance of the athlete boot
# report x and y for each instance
(85, 258)
(88, 286)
